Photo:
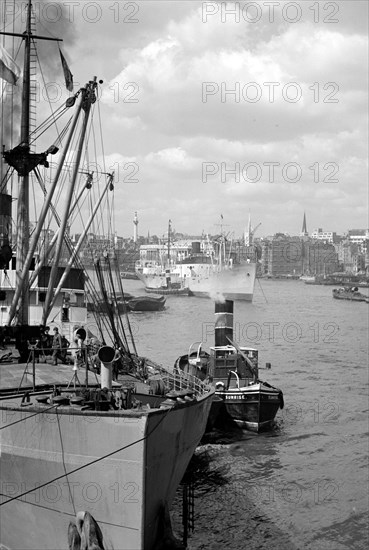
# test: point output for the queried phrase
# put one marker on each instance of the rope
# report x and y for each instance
(31, 416)
(126, 312)
(65, 469)
(261, 288)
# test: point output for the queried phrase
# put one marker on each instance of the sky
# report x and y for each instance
(214, 111)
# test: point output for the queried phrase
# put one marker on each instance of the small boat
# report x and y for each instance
(308, 278)
(233, 370)
(349, 293)
(112, 305)
(175, 289)
(128, 275)
(128, 302)
(146, 303)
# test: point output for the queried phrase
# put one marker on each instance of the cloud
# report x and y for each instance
(186, 92)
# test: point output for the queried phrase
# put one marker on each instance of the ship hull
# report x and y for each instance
(124, 492)
(146, 304)
(246, 297)
(352, 296)
(251, 407)
(167, 291)
(205, 280)
(230, 284)
(254, 407)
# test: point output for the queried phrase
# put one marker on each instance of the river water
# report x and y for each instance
(309, 476)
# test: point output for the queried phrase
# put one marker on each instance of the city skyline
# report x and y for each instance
(257, 225)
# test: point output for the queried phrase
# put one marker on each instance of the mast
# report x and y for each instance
(169, 230)
(23, 271)
(23, 197)
(108, 187)
(23, 161)
(88, 98)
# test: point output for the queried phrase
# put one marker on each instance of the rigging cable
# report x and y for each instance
(64, 466)
(165, 414)
(126, 312)
(114, 294)
(28, 417)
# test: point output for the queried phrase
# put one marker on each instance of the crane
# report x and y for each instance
(250, 232)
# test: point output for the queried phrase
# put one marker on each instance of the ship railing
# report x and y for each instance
(195, 361)
(230, 377)
(179, 380)
(182, 381)
(176, 380)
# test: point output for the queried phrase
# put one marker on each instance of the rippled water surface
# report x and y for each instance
(310, 475)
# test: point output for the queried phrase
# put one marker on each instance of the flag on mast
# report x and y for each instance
(9, 70)
(67, 74)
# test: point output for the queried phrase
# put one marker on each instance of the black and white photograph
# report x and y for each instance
(184, 275)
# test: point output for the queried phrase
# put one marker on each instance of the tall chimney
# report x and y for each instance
(223, 322)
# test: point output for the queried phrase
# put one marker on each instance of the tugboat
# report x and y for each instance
(233, 370)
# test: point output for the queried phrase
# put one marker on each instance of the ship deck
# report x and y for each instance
(14, 375)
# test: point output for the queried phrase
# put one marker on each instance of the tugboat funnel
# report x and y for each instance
(223, 322)
(106, 355)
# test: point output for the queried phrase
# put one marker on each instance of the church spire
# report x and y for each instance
(304, 232)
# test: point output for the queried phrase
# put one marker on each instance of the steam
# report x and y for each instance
(217, 297)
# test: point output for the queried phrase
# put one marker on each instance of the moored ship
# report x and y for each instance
(110, 435)
(205, 268)
(233, 370)
(122, 464)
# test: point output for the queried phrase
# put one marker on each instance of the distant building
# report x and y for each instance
(285, 256)
(358, 236)
(319, 257)
(352, 256)
(328, 236)
(281, 256)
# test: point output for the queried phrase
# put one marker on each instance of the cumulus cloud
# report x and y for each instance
(185, 88)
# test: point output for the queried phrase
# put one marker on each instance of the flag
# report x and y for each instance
(9, 70)
(67, 74)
